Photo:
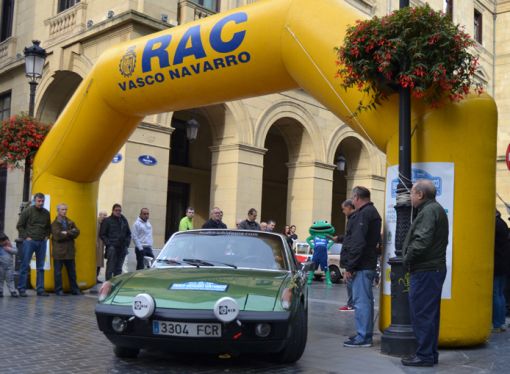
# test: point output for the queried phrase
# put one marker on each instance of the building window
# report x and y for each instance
(5, 106)
(66, 4)
(6, 17)
(478, 27)
(5, 112)
(448, 8)
(213, 5)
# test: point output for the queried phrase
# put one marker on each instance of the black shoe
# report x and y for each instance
(1, 295)
(99, 281)
(22, 294)
(14, 294)
(416, 361)
(60, 293)
(76, 293)
(43, 293)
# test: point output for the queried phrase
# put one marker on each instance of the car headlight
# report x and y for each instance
(286, 298)
(105, 290)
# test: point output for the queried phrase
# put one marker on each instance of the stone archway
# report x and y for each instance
(57, 94)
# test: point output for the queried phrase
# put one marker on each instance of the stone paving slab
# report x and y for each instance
(59, 335)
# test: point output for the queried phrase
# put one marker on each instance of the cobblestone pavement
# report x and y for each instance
(59, 335)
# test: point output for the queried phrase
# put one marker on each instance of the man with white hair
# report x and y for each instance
(424, 256)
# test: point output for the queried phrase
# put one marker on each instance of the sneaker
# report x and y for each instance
(1, 295)
(14, 294)
(357, 343)
(346, 308)
(22, 294)
(60, 293)
(78, 292)
(43, 293)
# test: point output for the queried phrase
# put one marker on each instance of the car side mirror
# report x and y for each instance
(308, 266)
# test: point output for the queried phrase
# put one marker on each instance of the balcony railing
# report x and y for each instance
(67, 23)
(7, 51)
(190, 11)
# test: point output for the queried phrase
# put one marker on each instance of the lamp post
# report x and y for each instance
(399, 339)
(34, 63)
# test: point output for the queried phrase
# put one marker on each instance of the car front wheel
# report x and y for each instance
(124, 352)
(297, 339)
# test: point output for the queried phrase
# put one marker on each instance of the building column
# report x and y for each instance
(310, 190)
(236, 180)
(136, 183)
(375, 183)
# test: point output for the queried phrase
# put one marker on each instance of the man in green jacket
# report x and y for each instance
(424, 252)
(34, 227)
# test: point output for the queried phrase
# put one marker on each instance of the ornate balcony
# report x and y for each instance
(70, 22)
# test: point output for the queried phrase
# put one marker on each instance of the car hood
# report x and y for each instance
(200, 288)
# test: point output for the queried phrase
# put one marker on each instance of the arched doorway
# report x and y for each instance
(275, 178)
(57, 94)
(350, 168)
(189, 174)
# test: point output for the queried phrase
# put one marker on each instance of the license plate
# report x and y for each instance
(186, 329)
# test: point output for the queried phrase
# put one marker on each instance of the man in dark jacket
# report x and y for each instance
(34, 227)
(250, 223)
(424, 256)
(214, 221)
(63, 233)
(116, 236)
(501, 271)
(359, 258)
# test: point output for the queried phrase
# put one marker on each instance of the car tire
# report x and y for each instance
(296, 342)
(335, 274)
(125, 352)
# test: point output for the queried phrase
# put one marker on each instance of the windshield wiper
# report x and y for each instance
(197, 262)
(169, 261)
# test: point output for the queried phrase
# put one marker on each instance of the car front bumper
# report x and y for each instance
(237, 337)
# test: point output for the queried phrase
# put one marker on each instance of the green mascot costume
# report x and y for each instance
(320, 241)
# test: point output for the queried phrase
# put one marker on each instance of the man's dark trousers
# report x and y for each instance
(146, 251)
(425, 304)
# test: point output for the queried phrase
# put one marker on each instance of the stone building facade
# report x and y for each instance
(279, 153)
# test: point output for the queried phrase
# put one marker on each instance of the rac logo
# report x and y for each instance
(156, 57)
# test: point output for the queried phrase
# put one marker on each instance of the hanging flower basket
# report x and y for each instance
(20, 138)
(417, 48)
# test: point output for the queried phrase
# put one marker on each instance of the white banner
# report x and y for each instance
(442, 174)
(47, 257)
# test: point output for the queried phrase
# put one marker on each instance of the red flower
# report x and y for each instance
(20, 138)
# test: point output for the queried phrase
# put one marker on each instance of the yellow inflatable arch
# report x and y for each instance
(267, 47)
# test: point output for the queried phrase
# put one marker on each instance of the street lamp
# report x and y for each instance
(34, 63)
(192, 129)
(340, 163)
(398, 339)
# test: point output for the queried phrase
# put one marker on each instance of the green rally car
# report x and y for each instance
(211, 291)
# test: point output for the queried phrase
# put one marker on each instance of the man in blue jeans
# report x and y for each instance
(360, 261)
(424, 256)
(34, 227)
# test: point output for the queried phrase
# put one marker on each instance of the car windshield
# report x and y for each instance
(235, 249)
